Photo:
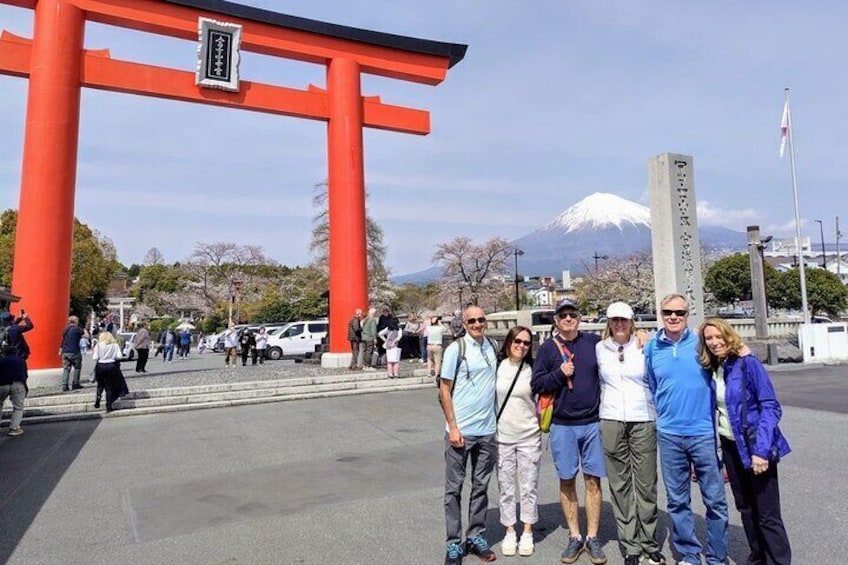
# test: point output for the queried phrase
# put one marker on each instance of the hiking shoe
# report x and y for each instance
(509, 545)
(656, 558)
(477, 545)
(526, 546)
(572, 551)
(631, 560)
(596, 554)
(454, 554)
(16, 431)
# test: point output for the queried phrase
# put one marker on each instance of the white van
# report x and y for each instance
(297, 339)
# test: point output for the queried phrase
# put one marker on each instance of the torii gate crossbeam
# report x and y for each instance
(58, 66)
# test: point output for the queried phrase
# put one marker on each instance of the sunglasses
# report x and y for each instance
(678, 313)
(621, 354)
(522, 342)
(480, 320)
(564, 315)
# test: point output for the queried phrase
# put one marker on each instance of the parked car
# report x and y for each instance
(129, 346)
(297, 339)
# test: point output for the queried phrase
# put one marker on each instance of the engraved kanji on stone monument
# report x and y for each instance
(674, 231)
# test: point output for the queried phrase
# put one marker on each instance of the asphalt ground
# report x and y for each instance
(356, 480)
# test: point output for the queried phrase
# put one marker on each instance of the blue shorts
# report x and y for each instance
(574, 447)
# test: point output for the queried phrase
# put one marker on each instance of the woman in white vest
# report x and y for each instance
(629, 436)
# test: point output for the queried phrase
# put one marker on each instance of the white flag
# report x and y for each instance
(784, 127)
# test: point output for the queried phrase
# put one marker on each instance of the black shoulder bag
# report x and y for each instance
(509, 392)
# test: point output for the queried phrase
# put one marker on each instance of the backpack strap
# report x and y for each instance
(459, 359)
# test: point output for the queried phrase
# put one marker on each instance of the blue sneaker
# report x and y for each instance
(454, 554)
(478, 546)
(572, 550)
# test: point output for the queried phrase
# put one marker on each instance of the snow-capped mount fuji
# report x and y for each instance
(602, 224)
(601, 210)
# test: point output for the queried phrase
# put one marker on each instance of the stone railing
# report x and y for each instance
(499, 325)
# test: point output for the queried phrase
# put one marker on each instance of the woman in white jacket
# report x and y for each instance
(107, 369)
(629, 436)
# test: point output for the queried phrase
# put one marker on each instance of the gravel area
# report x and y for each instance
(208, 368)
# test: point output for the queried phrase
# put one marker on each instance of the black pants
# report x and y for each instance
(141, 362)
(109, 378)
(757, 499)
(245, 351)
(257, 354)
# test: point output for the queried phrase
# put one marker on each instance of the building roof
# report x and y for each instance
(454, 52)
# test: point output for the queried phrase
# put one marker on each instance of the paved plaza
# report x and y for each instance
(356, 480)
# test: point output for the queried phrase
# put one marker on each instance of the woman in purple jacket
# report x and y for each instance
(747, 413)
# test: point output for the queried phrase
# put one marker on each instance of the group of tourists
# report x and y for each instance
(697, 396)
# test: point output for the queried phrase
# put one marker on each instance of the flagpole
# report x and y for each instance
(803, 273)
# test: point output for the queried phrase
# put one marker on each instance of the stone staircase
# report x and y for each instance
(76, 406)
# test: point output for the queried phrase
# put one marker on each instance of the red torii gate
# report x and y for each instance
(58, 66)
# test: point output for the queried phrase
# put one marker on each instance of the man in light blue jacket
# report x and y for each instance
(683, 397)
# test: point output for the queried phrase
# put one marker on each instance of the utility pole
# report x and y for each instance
(821, 230)
(838, 256)
(596, 257)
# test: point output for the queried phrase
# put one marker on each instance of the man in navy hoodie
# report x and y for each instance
(566, 366)
(686, 433)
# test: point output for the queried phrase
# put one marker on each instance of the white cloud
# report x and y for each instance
(735, 219)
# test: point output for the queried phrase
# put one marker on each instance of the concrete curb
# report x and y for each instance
(67, 407)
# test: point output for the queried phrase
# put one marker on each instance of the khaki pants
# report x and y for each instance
(630, 450)
(434, 359)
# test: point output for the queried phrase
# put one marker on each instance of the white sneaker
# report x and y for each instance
(525, 546)
(509, 545)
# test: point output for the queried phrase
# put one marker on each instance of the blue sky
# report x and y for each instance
(554, 101)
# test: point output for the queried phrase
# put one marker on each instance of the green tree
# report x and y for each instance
(93, 264)
(825, 293)
(729, 281)
(298, 294)
(416, 299)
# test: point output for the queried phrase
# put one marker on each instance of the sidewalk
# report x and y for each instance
(355, 479)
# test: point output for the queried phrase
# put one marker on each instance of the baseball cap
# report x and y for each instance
(566, 303)
(620, 310)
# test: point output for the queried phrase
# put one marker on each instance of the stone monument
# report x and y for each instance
(674, 232)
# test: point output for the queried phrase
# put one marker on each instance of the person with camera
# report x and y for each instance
(15, 329)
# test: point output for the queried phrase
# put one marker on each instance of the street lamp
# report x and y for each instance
(824, 257)
(516, 252)
(461, 288)
(596, 257)
(237, 286)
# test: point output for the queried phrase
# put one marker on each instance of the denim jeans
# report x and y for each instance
(676, 455)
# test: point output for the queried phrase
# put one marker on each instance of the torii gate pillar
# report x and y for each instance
(346, 198)
(48, 176)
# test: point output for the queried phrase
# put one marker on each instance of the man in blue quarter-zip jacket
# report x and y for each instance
(686, 434)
